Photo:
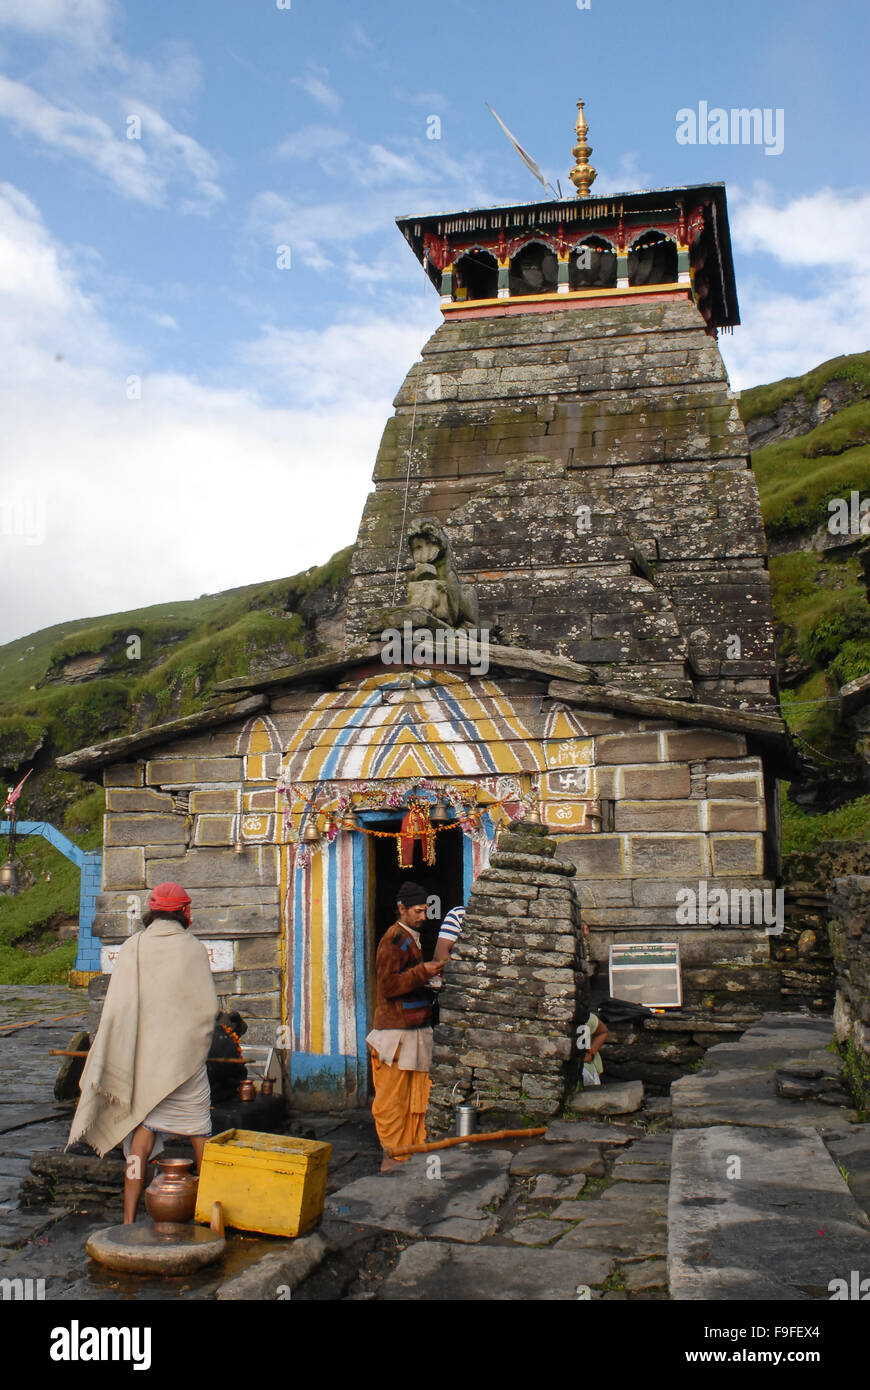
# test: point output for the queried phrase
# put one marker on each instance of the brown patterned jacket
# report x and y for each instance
(404, 999)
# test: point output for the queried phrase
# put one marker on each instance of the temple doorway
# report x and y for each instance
(442, 880)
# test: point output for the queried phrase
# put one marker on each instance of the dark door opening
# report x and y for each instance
(443, 879)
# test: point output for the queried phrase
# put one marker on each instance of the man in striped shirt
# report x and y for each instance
(449, 932)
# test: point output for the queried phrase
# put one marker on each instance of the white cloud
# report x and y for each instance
(419, 176)
(193, 487)
(313, 81)
(141, 169)
(75, 20)
(345, 364)
(628, 176)
(312, 142)
(817, 243)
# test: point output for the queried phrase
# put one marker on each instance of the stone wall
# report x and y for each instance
(518, 422)
(202, 812)
(686, 806)
(515, 983)
(849, 899)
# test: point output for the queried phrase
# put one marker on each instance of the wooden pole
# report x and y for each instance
(10, 1027)
(466, 1139)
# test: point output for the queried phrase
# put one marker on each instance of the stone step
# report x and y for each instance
(760, 1213)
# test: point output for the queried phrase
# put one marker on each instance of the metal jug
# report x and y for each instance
(466, 1111)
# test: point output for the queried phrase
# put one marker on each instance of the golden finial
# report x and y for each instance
(582, 175)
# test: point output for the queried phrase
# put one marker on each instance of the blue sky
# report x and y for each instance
(148, 267)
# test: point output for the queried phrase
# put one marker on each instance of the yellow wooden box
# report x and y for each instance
(266, 1182)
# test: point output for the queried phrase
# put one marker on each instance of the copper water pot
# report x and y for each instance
(246, 1090)
(172, 1194)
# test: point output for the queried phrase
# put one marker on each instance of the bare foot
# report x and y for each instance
(389, 1164)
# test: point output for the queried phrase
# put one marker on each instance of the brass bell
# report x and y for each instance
(9, 876)
(311, 834)
(439, 814)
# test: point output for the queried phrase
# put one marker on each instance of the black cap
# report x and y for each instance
(411, 895)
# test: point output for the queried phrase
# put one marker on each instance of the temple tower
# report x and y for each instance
(571, 427)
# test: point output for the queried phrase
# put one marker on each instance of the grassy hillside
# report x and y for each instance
(817, 429)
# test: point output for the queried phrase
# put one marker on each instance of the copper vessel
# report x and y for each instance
(246, 1090)
(171, 1197)
(267, 1087)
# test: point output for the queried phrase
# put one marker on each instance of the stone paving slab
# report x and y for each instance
(539, 1231)
(624, 1098)
(628, 1220)
(434, 1271)
(561, 1160)
(14, 1116)
(646, 1274)
(20, 1224)
(853, 1151)
(547, 1187)
(774, 1039)
(743, 1096)
(783, 1229)
(409, 1201)
(589, 1132)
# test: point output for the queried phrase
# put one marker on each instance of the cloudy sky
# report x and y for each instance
(179, 412)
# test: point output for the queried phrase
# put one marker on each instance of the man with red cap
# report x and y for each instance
(145, 1077)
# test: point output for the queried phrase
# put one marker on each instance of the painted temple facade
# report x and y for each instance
(565, 479)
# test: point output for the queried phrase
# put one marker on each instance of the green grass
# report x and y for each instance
(183, 683)
(762, 400)
(804, 832)
(29, 951)
(856, 1073)
(25, 662)
(795, 496)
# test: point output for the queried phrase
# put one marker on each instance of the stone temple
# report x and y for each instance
(558, 614)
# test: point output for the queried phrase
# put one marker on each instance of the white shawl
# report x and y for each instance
(154, 1033)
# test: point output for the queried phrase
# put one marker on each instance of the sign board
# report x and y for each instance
(647, 972)
(220, 956)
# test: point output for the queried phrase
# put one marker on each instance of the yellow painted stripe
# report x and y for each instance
(572, 294)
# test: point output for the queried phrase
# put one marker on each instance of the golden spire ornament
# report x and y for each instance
(582, 175)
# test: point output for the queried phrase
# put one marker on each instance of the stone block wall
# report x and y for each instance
(520, 421)
(688, 806)
(849, 899)
(181, 814)
(515, 983)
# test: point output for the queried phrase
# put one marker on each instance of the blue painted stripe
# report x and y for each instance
(305, 1065)
(359, 959)
(345, 735)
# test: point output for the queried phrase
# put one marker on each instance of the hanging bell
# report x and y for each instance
(350, 821)
(311, 834)
(439, 814)
(9, 876)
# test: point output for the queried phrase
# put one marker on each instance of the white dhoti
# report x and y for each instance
(186, 1111)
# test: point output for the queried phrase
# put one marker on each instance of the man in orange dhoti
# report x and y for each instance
(401, 1040)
